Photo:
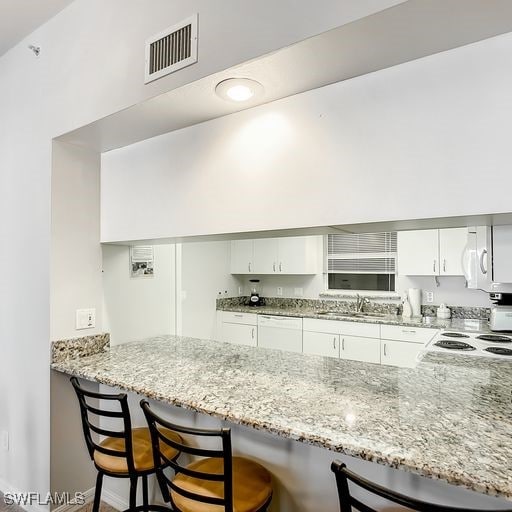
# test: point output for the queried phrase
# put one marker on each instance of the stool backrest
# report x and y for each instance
(348, 502)
(156, 427)
(91, 414)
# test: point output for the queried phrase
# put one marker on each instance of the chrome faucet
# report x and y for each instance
(360, 302)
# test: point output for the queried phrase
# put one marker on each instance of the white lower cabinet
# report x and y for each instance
(400, 353)
(321, 344)
(239, 328)
(240, 334)
(360, 349)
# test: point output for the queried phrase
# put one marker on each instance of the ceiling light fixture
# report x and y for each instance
(238, 89)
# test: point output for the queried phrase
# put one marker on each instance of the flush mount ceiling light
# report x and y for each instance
(238, 89)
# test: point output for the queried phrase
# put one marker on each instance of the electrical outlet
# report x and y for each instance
(298, 292)
(239, 291)
(4, 441)
(85, 318)
(429, 296)
(279, 290)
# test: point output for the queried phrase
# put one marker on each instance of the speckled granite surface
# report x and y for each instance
(448, 418)
(79, 347)
(458, 324)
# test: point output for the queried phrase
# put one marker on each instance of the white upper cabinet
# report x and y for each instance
(452, 243)
(290, 255)
(298, 255)
(418, 252)
(266, 256)
(431, 252)
(242, 257)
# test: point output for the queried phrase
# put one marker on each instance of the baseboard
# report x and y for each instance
(114, 500)
(88, 495)
(7, 488)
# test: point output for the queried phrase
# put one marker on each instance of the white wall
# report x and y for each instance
(75, 252)
(205, 277)
(137, 308)
(91, 65)
(428, 138)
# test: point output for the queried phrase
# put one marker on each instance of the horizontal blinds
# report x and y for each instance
(362, 253)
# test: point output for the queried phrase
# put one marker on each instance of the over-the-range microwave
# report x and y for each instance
(487, 259)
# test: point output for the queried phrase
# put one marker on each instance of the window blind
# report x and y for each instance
(362, 253)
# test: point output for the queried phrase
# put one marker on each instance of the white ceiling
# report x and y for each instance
(19, 18)
(408, 31)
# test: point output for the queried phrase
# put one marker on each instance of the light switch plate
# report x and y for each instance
(429, 296)
(279, 291)
(85, 318)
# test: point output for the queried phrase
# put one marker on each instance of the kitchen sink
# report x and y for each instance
(352, 314)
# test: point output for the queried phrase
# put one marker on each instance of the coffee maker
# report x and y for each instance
(255, 298)
(501, 312)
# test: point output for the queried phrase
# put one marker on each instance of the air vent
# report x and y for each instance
(171, 49)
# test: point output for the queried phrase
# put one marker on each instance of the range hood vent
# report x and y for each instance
(172, 49)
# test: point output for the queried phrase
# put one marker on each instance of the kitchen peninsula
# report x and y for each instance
(448, 418)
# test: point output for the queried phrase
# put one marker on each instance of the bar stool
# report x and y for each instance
(123, 453)
(348, 503)
(215, 482)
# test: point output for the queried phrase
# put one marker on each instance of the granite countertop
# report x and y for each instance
(448, 418)
(456, 324)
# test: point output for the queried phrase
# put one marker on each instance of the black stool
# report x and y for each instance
(122, 453)
(217, 481)
(348, 503)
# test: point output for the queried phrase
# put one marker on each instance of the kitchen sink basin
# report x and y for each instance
(352, 314)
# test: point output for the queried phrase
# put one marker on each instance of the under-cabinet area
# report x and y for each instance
(372, 343)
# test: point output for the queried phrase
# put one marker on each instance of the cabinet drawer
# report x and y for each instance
(405, 333)
(340, 327)
(240, 318)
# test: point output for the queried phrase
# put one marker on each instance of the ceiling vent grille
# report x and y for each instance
(171, 49)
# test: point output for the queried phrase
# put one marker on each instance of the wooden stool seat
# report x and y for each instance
(252, 486)
(142, 452)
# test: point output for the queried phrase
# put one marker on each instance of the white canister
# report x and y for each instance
(443, 312)
(415, 300)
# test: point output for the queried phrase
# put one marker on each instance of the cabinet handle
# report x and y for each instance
(252, 333)
(274, 266)
(342, 343)
(409, 330)
(239, 316)
(434, 266)
(482, 256)
(249, 266)
(334, 342)
(280, 266)
(385, 350)
(444, 265)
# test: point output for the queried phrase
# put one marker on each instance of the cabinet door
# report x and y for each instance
(452, 243)
(265, 256)
(298, 255)
(239, 334)
(242, 257)
(360, 349)
(400, 353)
(321, 344)
(418, 252)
